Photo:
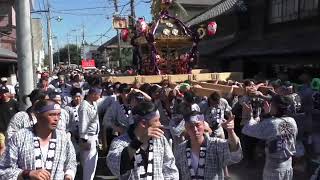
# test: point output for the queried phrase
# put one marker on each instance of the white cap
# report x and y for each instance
(4, 79)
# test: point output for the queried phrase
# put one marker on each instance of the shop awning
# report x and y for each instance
(7, 56)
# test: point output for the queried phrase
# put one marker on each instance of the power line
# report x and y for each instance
(124, 7)
(103, 35)
(80, 9)
(90, 8)
(92, 35)
(79, 14)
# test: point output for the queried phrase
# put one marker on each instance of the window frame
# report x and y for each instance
(284, 6)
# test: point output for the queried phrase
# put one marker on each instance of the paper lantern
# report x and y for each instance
(141, 25)
(125, 34)
(212, 28)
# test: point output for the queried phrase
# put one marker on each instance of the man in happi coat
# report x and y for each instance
(143, 153)
(89, 128)
(280, 132)
(64, 123)
(203, 157)
(42, 151)
(72, 109)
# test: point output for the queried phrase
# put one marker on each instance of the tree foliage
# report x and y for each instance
(75, 57)
(126, 56)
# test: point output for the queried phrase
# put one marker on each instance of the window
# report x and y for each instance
(288, 10)
(4, 15)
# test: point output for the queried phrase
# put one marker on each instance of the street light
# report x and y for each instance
(76, 30)
(68, 45)
(58, 47)
(50, 57)
(59, 19)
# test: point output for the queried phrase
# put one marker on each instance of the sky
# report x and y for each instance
(94, 15)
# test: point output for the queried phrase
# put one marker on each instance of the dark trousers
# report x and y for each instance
(248, 147)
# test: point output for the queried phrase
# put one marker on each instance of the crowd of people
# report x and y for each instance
(152, 131)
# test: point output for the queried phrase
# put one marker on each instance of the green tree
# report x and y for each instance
(46, 60)
(62, 55)
(126, 56)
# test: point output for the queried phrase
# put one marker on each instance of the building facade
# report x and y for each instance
(263, 37)
(8, 56)
(37, 43)
(108, 53)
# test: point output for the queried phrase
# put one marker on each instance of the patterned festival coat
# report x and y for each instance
(20, 156)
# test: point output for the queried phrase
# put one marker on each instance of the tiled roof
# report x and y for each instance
(216, 10)
(198, 2)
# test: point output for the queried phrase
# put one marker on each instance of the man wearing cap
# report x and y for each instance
(9, 107)
(89, 129)
(40, 152)
(143, 152)
(11, 89)
(204, 157)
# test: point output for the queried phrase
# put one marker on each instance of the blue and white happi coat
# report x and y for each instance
(20, 155)
(19, 121)
(163, 167)
(217, 156)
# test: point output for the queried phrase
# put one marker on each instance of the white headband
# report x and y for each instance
(147, 117)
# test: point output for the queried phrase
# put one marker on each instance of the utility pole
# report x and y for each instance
(77, 43)
(25, 68)
(82, 44)
(69, 59)
(119, 63)
(76, 34)
(33, 56)
(133, 11)
(101, 40)
(49, 36)
(58, 47)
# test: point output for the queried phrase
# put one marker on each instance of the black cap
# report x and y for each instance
(3, 89)
(283, 102)
(124, 88)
